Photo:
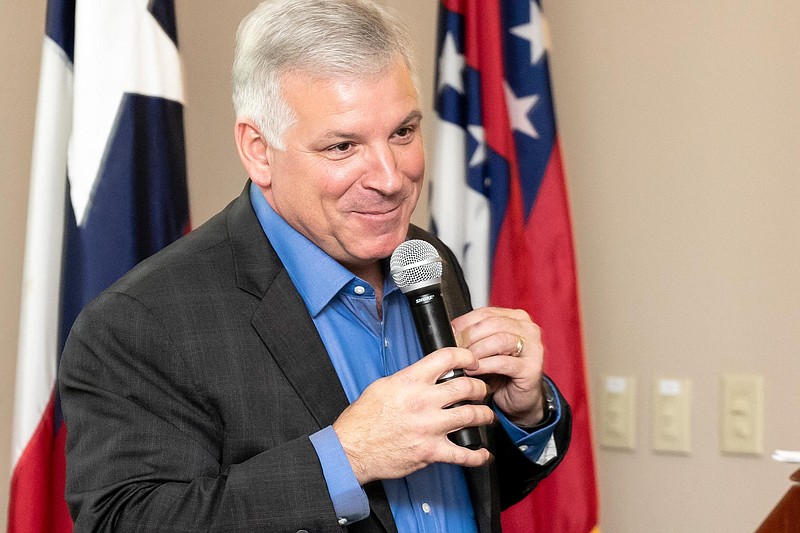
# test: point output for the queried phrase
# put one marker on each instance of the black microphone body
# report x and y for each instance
(431, 319)
(417, 270)
(435, 332)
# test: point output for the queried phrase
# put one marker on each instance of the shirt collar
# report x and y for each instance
(317, 276)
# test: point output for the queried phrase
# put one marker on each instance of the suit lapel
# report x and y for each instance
(281, 320)
(285, 327)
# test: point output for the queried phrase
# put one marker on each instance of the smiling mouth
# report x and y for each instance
(378, 212)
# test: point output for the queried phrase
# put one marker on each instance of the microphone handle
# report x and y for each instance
(435, 332)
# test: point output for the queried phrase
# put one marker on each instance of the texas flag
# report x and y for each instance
(108, 188)
(499, 200)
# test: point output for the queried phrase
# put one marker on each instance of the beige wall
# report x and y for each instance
(681, 134)
(681, 130)
(21, 26)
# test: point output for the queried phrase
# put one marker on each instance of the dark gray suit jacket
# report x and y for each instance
(191, 386)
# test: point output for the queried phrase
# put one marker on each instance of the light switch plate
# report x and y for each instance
(672, 416)
(742, 428)
(618, 413)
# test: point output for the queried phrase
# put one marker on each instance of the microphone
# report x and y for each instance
(417, 270)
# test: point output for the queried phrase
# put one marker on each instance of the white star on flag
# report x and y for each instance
(518, 110)
(109, 64)
(479, 155)
(536, 32)
(451, 66)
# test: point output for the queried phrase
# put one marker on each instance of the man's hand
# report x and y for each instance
(400, 423)
(510, 353)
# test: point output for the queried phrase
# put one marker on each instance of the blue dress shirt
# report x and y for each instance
(363, 347)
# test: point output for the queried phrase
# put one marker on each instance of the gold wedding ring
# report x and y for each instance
(520, 345)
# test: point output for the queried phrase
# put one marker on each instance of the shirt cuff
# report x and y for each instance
(537, 445)
(350, 502)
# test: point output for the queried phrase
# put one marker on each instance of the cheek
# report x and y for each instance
(413, 164)
(333, 187)
(317, 183)
(341, 182)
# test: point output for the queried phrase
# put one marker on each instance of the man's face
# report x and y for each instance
(352, 170)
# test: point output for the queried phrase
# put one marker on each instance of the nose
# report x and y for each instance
(383, 174)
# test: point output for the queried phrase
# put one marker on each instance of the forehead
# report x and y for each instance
(389, 94)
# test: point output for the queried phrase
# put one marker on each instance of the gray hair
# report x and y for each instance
(324, 38)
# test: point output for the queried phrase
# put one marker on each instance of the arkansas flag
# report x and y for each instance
(499, 200)
(108, 188)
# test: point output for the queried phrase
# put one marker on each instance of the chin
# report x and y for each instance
(393, 241)
(380, 247)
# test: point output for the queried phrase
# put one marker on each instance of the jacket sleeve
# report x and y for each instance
(517, 474)
(144, 448)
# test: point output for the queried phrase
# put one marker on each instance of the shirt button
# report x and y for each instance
(385, 343)
(426, 508)
(359, 290)
(523, 448)
(342, 521)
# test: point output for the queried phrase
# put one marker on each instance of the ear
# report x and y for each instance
(253, 151)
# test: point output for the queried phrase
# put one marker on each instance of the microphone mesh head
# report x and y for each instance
(415, 263)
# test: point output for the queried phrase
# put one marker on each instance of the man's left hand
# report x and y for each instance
(509, 349)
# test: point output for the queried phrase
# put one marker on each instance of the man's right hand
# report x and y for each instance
(400, 423)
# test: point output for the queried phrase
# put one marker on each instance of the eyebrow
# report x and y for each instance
(414, 116)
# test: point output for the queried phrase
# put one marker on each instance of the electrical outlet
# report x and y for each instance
(618, 413)
(742, 414)
(672, 416)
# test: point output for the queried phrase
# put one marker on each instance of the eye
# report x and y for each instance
(341, 148)
(405, 134)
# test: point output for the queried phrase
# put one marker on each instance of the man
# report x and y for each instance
(263, 373)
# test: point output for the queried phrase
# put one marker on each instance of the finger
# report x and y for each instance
(431, 367)
(467, 415)
(458, 455)
(477, 315)
(459, 390)
(501, 343)
(513, 322)
(484, 313)
(447, 417)
(507, 365)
